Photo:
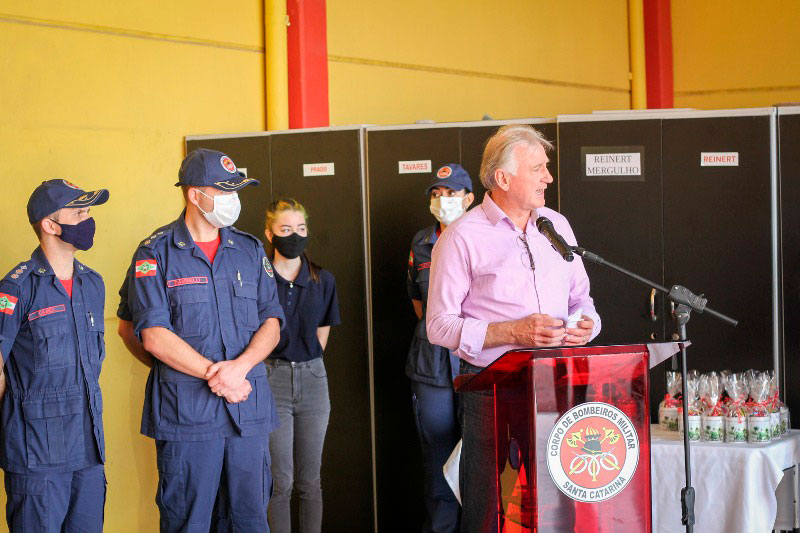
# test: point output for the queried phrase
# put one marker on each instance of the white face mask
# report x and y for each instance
(226, 209)
(447, 209)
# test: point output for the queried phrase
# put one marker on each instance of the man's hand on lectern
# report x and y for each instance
(580, 334)
(538, 330)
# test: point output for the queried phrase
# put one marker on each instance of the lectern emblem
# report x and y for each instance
(592, 452)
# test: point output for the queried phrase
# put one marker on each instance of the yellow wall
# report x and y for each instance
(102, 93)
(735, 53)
(394, 62)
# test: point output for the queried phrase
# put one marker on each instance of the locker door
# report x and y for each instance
(251, 153)
(473, 140)
(336, 243)
(717, 235)
(789, 166)
(616, 216)
(398, 208)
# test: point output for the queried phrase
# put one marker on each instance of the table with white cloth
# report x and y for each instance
(734, 483)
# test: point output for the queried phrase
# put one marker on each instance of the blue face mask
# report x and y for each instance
(80, 235)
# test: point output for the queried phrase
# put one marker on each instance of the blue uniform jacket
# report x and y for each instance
(426, 362)
(53, 348)
(216, 309)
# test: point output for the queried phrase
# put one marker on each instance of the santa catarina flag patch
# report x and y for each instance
(146, 267)
(7, 303)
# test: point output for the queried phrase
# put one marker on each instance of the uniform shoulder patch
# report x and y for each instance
(145, 268)
(411, 258)
(268, 267)
(8, 303)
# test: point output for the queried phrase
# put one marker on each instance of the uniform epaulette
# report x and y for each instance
(86, 268)
(252, 237)
(18, 274)
(157, 235)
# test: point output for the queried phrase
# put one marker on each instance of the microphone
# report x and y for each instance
(546, 228)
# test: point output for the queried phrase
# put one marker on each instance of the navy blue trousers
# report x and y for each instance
(435, 412)
(52, 503)
(191, 473)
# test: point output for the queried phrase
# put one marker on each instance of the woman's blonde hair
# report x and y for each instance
(276, 208)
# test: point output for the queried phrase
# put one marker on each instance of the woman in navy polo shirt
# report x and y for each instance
(295, 368)
(432, 368)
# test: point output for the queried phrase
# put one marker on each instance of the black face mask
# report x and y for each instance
(80, 235)
(290, 246)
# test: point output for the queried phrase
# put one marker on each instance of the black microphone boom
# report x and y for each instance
(546, 228)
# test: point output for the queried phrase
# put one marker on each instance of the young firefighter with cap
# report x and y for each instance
(51, 339)
(204, 304)
(432, 368)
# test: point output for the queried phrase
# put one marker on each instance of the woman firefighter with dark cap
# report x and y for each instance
(432, 368)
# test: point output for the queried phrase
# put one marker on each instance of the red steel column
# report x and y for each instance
(307, 54)
(658, 53)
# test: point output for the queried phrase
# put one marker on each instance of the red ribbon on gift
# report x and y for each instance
(669, 401)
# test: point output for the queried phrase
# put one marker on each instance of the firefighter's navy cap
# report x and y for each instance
(209, 168)
(453, 176)
(56, 194)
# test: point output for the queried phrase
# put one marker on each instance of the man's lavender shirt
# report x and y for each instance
(480, 274)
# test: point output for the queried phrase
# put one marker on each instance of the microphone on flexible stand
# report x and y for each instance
(545, 227)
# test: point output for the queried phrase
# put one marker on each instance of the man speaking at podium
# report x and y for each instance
(497, 285)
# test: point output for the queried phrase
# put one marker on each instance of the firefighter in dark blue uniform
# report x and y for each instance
(219, 518)
(204, 304)
(432, 368)
(51, 340)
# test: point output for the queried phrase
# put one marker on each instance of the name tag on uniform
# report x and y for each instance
(61, 308)
(187, 281)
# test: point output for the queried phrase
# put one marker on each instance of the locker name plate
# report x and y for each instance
(422, 166)
(612, 163)
(719, 159)
(318, 169)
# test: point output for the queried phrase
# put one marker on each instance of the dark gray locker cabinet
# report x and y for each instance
(789, 166)
(398, 208)
(300, 163)
(720, 232)
(701, 212)
(616, 213)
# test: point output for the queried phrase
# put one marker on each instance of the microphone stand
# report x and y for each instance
(686, 302)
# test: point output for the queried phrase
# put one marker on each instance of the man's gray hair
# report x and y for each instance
(499, 151)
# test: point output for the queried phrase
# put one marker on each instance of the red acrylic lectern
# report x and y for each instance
(572, 437)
